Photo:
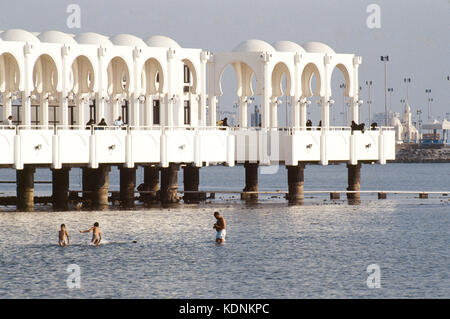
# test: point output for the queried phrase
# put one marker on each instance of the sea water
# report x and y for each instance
(319, 250)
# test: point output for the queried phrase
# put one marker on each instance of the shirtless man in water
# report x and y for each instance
(220, 228)
(96, 234)
(64, 238)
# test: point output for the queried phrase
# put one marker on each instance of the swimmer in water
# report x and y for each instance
(96, 234)
(220, 228)
(64, 238)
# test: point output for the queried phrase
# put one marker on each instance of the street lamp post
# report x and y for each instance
(430, 99)
(390, 90)
(407, 81)
(385, 59)
(369, 101)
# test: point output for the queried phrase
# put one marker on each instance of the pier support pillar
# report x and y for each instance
(169, 184)
(151, 184)
(86, 187)
(354, 181)
(191, 180)
(95, 187)
(60, 188)
(25, 188)
(295, 184)
(251, 182)
(127, 186)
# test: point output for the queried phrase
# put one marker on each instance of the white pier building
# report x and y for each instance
(167, 97)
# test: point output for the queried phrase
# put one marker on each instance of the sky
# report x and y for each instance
(414, 33)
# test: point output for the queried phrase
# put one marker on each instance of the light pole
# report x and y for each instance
(369, 101)
(430, 99)
(390, 90)
(419, 113)
(385, 59)
(407, 81)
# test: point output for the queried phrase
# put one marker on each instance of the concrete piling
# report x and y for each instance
(25, 188)
(96, 187)
(335, 196)
(354, 181)
(169, 184)
(127, 186)
(191, 180)
(382, 195)
(151, 184)
(86, 187)
(251, 182)
(295, 184)
(60, 188)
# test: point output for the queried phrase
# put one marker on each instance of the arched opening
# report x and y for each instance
(281, 87)
(152, 80)
(237, 107)
(45, 109)
(311, 86)
(118, 90)
(9, 87)
(81, 85)
(190, 102)
(340, 83)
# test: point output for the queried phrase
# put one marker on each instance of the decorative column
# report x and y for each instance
(274, 113)
(266, 89)
(148, 114)
(116, 104)
(243, 120)
(204, 57)
(43, 99)
(7, 107)
(304, 111)
(295, 112)
(354, 101)
(82, 104)
(212, 110)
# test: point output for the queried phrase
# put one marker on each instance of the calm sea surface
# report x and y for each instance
(320, 250)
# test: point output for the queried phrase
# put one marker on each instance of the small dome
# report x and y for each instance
(19, 35)
(288, 46)
(254, 46)
(128, 40)
(92, 38)
(318, 47)
(161, 42)
(56, 37)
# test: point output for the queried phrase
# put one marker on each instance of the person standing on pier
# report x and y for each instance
(118, 122)
(220, 226)
(64, 238)
(96, 234)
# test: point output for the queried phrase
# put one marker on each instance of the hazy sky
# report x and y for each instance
(414, 33)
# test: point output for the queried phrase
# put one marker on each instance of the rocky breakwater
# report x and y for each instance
(416, 153)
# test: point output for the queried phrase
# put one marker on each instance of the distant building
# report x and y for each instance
(255, 117)
(405, 131)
